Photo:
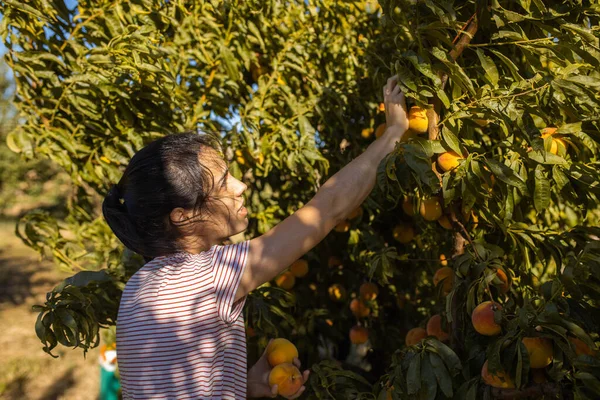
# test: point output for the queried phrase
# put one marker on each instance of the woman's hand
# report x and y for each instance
(258, 379)
(395, 106)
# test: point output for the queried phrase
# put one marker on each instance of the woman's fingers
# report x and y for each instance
(296, 362)
(305, 376)
(298, 393)
(274, 390)
(391, 84)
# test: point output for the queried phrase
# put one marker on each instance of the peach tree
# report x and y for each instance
(472, 269)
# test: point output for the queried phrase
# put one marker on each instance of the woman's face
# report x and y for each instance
(226, 214)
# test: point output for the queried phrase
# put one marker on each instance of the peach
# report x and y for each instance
(417, 119)
(449, 160)
(359, 334)
(286, 280)
(431, 209)
(401, 299)
(368, 291)
(366, 133)
(334, 261)
(359, 309)
(414, 336)
(250, 331)
(357, 212)
(434, 328)
(336, 292)
(343, 226)
(499, 380)
(483, 318)
(445, 276)
(280, 351)
(505, 285)
(445, 222)
(403, 233)
(388, 393)
(540, 351)
(287, 378)
(299, 268)
(443, 260)
(581, 347)
(556, 143)
(380, 130)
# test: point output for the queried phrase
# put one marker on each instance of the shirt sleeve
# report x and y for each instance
(229, 263)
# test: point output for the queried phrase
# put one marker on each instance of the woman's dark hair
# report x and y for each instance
(162, 176)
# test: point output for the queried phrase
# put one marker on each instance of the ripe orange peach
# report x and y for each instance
(414, 336)
(357, 212)
(380, 130)
(336, 292)
(500, 379)
(556, 143)
(299, 268)
(581, 347)
(334, 261)
(359, 334)
(368, 291)
(483, 318)
(287, 378)
(500, 274)
(431, 209)
(286, 280)
(403, 233)
(359, 309)
(443, 260)
(250, 331)
(444, 275)
(408, 207)
(417, 119)
(449, 160)
(401, 299)
(343, 226)
(445, 222)
(434, 328)
(280, 351)
(540, 351)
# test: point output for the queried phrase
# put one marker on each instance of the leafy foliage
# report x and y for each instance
(97, 82)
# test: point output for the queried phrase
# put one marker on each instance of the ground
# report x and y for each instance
(26, 372)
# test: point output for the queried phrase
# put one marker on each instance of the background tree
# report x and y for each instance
(294, 89)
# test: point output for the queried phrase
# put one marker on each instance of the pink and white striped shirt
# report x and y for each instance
(179, 334)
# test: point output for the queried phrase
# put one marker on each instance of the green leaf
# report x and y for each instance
(451, 140)
(448, 356)
(506, 175)
(541, 196)
(441, 374)
(491, 72)
(413, 377)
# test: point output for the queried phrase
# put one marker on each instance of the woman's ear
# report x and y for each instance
(179, 215)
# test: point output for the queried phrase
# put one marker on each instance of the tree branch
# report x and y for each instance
(464, 37)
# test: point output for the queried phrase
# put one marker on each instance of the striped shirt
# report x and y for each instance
(179, 334)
